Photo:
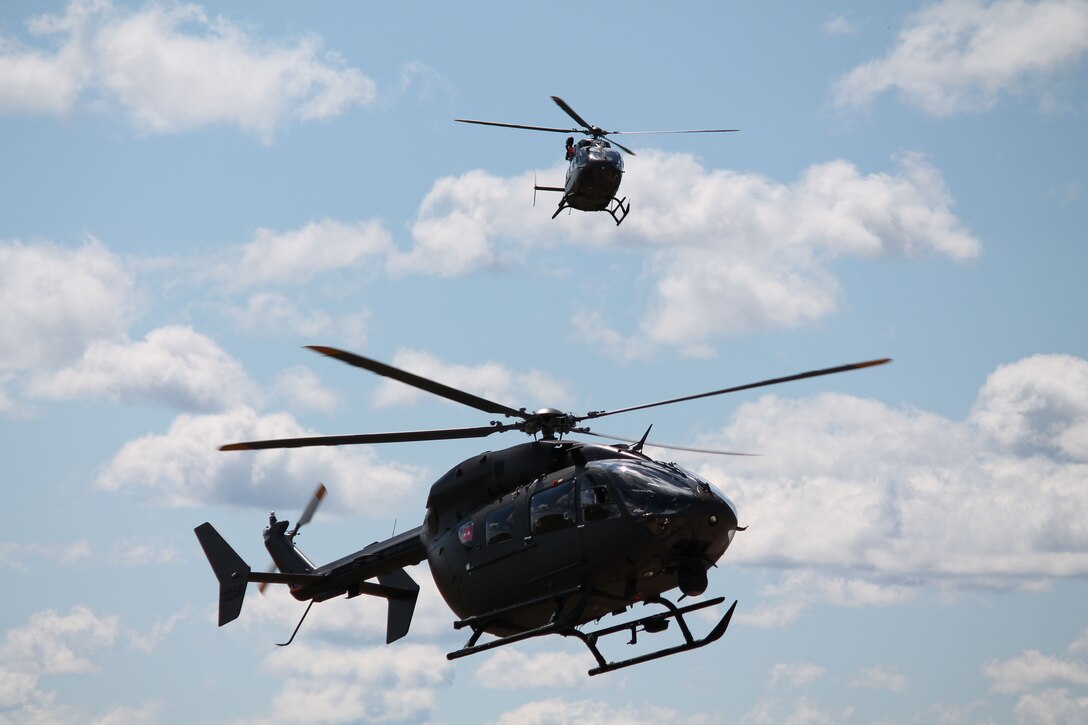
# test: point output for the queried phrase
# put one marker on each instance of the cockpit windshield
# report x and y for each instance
(648, 487)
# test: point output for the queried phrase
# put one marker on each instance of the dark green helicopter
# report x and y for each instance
(595, 169)
(540, 538)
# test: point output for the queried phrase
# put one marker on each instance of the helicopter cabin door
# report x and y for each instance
(553, 554)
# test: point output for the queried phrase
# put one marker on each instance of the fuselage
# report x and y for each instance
(573, 517)
(593, 176)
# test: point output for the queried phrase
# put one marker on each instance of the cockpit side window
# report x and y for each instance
(501, 524)
(552, 509)
(595, 498)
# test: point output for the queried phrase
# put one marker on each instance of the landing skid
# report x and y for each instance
(560, 624)
(616, 208)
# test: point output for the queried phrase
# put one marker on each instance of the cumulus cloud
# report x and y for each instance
(58, 644)
(55, 301)
(796, 674)
(173, 365)
(183, 467)
(297, 256)
(275, 313)
(52, 643)
(17, 556)
(510, 669)
(1048, 688)
(560, 711)
(172, 68)
(302, 389)
(961, 56)
(880, 678)
(728, 252)
(858, 503)
(1037, 405)
(489, 380)
(360, 622)
(339, 684)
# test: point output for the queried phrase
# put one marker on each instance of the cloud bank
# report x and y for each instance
(961, 56)
(172, 68)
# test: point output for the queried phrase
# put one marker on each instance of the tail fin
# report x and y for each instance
(401, 605)
(230, 570)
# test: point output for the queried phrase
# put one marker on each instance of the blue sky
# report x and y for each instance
(190, 193)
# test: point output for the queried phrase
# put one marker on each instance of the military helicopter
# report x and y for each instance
(541, 538)
(595, 170)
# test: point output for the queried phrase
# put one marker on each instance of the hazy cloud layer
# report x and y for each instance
(171, 68)
(962, 55)
(847, 485)
(348, 684)
(50, 644)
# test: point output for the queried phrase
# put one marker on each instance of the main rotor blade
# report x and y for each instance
(672, 447)
(618, 144)
(418, 381)
(521, 125)
(647, 133)
(410, 436)
(570, 112)
(749, 386)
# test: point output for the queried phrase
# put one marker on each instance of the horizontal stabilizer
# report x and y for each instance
(230, 570)
(549, 188)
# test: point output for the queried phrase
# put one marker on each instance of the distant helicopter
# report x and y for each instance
(596, 169)
(540, 538)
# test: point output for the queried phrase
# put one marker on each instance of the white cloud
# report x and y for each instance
(276, 314)
(560, 711)
(857, 503)
(173, 365)
(172, 68)
(840, 25)
(52, 643)
(360, 621)
(488, 380)
(796, 674)
(16, 555)
(734, 252)
(961, 55)
(510, 669)
(301, 388)
(128, 552)
(297, 256)
(183, 467)
(880, 678)
(1051, 707)
(1032, 668)
(802, 711)
(1039, 404)
(148, 642)
(55, 301)
(58, 644)
(338, 684)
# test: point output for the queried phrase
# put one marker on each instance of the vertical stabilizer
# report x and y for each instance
(230, 570)
(401, 606)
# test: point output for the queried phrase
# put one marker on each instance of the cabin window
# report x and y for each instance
(552, 509)
(596, 500)
(501, 524)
